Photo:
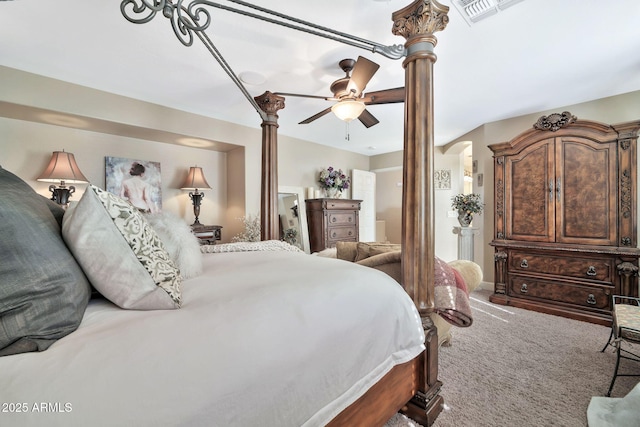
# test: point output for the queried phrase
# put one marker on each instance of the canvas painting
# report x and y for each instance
(137, 181)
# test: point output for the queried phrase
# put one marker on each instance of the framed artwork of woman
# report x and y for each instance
(137, 181)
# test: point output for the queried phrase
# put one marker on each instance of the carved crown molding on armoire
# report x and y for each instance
(565, 223)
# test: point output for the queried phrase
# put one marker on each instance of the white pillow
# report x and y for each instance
(183, 246)
(120, 253)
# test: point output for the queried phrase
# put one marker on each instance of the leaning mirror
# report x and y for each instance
(293, 217)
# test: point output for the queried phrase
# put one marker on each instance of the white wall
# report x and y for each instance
(389, 200)
(299, 162)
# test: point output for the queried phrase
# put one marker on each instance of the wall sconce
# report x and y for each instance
(64, 169)
(196, 180)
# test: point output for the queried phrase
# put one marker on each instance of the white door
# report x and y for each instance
(364, 188)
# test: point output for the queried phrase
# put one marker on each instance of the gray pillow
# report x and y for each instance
(43, 291)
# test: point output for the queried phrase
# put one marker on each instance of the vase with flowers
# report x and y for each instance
(333, 182)
(467, 205)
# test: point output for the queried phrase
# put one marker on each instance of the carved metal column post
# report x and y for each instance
(270, 104)
(417, 23)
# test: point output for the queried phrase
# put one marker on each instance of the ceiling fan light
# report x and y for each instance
(348, 109)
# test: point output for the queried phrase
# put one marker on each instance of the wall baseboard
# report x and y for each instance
(487, 286)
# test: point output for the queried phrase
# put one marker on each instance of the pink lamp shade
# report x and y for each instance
(195, 180)
(63, 167)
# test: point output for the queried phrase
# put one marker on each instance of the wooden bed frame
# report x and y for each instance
(412, 387)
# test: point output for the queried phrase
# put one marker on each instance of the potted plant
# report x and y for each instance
(467, 205)
(333, 181)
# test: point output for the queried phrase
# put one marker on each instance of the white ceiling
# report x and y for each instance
(536, 55)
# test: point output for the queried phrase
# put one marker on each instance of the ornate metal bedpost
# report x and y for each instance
(417, 23)
(270, 104)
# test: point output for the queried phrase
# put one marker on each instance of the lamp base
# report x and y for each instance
(196, 198)
(61, 195)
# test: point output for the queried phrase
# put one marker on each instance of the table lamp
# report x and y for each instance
(195, 181)
(64, 169)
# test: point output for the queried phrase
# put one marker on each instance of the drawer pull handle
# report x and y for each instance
(350, 233)
(350, 219)
(591, 299)
(523, 288)
(333, 220)
(591, 271)
(333, 234)
(524, 263)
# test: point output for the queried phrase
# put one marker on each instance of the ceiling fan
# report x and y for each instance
(348, 92)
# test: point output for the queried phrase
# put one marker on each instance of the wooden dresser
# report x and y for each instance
(565, 234)
(331, 221)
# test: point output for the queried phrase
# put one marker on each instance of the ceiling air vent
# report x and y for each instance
(475, 10)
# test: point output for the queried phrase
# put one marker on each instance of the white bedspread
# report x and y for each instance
(263, 339)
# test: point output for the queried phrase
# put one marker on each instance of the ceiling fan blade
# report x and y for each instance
(387, 96)
(315, 116)
(361, 74)
(299, 95)
(368, 119)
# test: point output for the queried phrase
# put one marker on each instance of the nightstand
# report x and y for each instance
(208, 234)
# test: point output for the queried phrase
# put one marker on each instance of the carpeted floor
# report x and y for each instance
(516, 367)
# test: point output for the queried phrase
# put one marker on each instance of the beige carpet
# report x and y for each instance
(516, 367)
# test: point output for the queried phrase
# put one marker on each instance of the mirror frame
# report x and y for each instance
(302, 212)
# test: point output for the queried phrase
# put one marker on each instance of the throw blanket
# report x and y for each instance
(451, 297)
(266, 245)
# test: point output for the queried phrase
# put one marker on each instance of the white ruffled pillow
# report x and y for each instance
(178, 240)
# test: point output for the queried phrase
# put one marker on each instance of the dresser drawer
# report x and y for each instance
(334, 204)
(601, 269)
(584, 296)
(342, 233)
(341, 218)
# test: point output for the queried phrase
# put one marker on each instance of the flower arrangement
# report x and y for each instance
(333, 178)
(290, 236)
(251, 231)
(467, 203)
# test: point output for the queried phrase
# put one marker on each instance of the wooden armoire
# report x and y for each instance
(565, 234)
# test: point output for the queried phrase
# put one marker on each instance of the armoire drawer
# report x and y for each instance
(594, 297)
(601, 269)
(341, 218)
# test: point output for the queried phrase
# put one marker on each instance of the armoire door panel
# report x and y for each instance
(586, 192)
(530, 203)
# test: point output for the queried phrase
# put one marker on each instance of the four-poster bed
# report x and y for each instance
(106, 351)
(415, 382)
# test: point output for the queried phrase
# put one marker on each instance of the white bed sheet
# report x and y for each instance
(263, 339)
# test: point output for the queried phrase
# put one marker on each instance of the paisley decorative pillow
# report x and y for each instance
(120, 253)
